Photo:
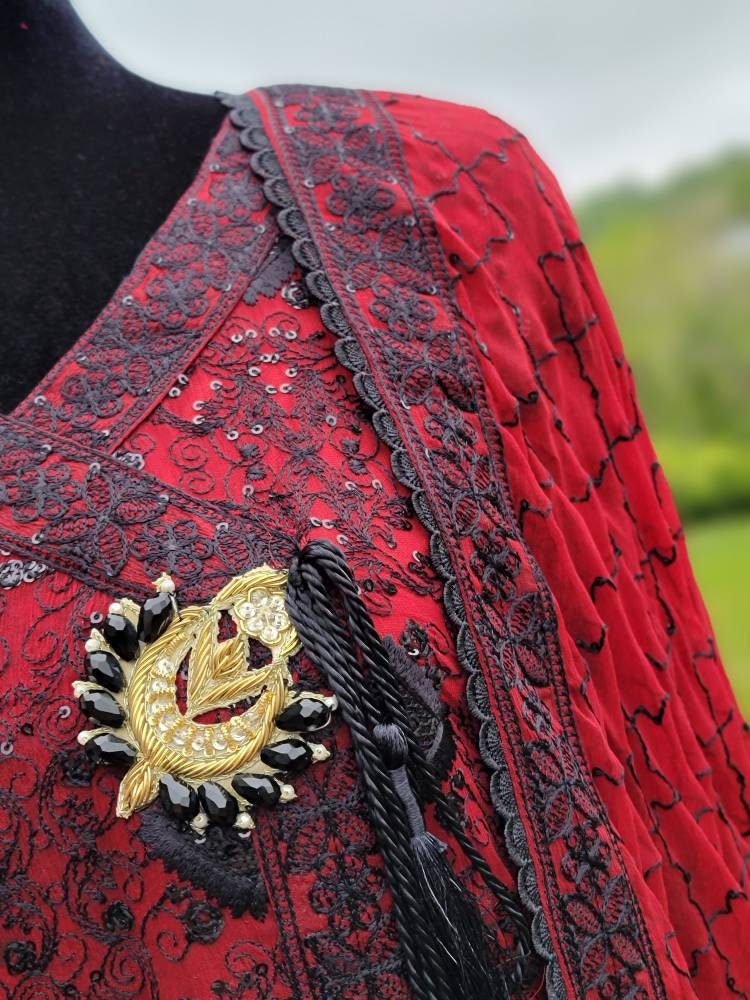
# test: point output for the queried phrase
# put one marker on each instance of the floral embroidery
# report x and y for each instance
(101, 520)
(182, 286)
(263, 439)
(338, 141)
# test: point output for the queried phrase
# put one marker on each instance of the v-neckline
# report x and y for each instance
(183, 282)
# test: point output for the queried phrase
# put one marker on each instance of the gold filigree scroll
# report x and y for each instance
(170, 741)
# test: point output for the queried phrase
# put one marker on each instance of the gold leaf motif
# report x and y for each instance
(218, 676)
(175, 738)
(202, 668)
(139, 787)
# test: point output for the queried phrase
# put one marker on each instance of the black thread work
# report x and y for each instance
(330, 116)
(101, 521)
(277, 467)
(317, 853)
(219, 862)
(356, 665)
(188, 279)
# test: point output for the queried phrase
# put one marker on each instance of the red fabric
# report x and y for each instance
(88, 908)
(657, 718)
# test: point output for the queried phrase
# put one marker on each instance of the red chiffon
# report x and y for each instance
(372, 320)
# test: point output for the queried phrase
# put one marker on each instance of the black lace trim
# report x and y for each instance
(245, 115)
(184, 283)
(101, 521)
(559, 754)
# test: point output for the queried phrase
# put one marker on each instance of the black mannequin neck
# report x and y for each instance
(94, 159)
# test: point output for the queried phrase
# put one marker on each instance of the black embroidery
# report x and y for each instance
(335, 835)
(425, 363)
(118, 917)
(245, 116)
(99, 520)
(274, 272)
(192, 273)
(325, 852)
(221, 863)
(355, 949)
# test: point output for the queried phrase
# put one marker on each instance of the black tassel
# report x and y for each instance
(444, 943)
(454, 922)
(455, 919)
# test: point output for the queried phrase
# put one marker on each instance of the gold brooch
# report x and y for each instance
(202, 771)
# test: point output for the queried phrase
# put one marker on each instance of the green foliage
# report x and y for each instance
(674, 261)
(708, 476)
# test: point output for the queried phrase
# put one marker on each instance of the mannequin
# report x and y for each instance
(94, 158)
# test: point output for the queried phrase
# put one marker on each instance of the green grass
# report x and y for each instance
(720, 554)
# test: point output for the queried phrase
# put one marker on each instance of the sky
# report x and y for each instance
(607, 90)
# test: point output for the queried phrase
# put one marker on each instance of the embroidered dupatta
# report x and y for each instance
(372, 320)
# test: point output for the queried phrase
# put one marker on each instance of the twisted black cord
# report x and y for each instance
(329, 561)
(321, 632)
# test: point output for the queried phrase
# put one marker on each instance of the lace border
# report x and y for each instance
(245, 116)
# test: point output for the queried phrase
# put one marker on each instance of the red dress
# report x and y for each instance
(371, 320)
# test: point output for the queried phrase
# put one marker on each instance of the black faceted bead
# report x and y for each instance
(109, 749)
(304, 716)
(156, 613)
(177, 798)
(289, 755)
(102, 706)
(103, 668)
(121, 635)
(257, 789)
(219, 805)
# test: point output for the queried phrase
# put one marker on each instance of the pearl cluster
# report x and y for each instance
(263, 615)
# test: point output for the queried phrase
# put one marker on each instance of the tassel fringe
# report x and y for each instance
(453, 920)
(443, 939)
